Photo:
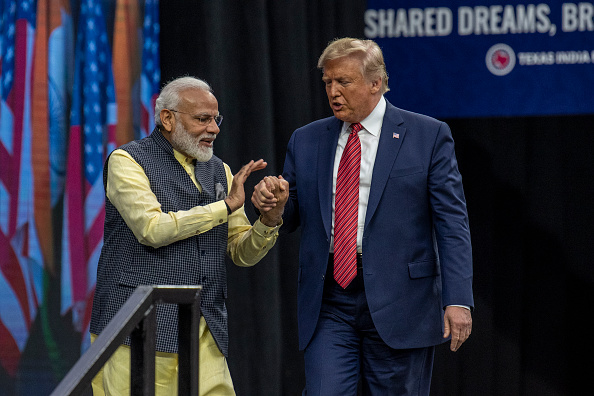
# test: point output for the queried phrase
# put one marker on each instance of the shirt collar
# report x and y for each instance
(182, 159)
(373, 122)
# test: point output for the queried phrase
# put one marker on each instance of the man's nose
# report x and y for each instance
(333, 90)
(212, 127)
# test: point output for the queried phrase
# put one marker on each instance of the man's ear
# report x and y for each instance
(376, 85)
(167, 119)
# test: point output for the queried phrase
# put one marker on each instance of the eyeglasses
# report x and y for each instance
(203, 119)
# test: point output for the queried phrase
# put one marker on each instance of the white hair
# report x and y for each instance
(169, 97)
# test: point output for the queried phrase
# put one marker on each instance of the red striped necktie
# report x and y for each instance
(346, 210)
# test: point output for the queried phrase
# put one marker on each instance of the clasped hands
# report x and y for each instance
(269, 197)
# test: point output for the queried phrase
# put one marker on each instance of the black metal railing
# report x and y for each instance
(137, 318)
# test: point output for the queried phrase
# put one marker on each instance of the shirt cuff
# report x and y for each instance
(265, 230)
(461, 306)
(219, 212)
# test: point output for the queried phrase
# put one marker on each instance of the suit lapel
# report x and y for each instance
(325, 166)
(391, 138)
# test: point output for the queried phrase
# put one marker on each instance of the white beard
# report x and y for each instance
(190, 145)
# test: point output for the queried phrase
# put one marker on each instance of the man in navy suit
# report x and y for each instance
(411, 288)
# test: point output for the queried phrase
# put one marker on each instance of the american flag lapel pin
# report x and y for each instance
(396, 135)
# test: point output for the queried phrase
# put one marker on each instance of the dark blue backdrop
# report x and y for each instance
(457, 59)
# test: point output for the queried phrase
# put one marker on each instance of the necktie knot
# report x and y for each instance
(355, 128)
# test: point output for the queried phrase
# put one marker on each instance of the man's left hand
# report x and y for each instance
(279, 188)
(236, 195)
(458, 323)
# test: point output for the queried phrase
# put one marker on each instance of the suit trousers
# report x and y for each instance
(347, 353)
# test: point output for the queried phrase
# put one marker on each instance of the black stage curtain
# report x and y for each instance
(527, 181)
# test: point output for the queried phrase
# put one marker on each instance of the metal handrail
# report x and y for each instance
(137, 318)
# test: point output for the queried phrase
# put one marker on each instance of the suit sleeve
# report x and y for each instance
(291, 211)
(451, 224)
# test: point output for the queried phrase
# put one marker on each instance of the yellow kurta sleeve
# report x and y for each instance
(128, 189)
(247, 244)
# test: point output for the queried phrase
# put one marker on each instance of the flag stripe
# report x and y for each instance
(151, 72)
(93, 121)
(10, 355)
(75, 215)
(40, 141)
(19, 247)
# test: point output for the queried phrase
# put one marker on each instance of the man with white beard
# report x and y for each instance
(173, 210)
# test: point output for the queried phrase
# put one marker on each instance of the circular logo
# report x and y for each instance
(500, 59)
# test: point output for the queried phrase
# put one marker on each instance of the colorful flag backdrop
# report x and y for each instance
(93, 118)
(59, 118)
(151, 69)
(51, 87)
(21, 257)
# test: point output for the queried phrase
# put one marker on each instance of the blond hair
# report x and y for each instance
(372, 58)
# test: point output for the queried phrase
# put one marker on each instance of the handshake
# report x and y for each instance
(269, 197)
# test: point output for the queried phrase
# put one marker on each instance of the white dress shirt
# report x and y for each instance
(369, 136)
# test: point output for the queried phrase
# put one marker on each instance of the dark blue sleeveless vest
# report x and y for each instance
(125, 263)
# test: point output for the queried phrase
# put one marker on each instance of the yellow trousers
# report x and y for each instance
(215, 379)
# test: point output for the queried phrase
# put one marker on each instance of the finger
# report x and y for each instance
(263, 190)
(455, 344)
(283, 184)
(270, 185)
(467, 332)
(244, 171)
(267, 200)
(278, 189)
(258, 165)
(247, 168)
(461, 335)
(254, 166)
(262, 207)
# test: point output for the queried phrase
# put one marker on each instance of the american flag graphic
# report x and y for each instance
(151, 70)
(58, 116)
(21, 258)
(92, 135)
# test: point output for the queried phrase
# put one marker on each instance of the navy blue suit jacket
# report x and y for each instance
(417, 255)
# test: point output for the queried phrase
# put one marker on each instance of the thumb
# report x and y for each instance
(283, 186)
(446, 332)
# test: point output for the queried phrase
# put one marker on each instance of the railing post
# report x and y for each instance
(137, 318)
(188, 358)
(142, 355)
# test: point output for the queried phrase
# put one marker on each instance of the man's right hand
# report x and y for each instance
(263, 196)
(236, 196)
(270, 197)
